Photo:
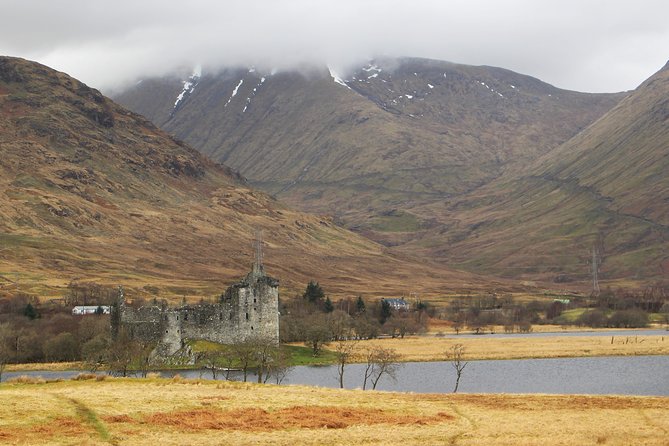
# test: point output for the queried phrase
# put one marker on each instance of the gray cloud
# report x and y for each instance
(583, 45)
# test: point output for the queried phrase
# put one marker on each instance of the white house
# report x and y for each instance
(398, 304)
(90, 309)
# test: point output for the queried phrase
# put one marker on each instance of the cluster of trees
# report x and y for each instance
(269, 360)
(619, 308)
(479, 313)
(596, 318)
(622, 308)
(35, 332)
(314, 319)
(652, 299)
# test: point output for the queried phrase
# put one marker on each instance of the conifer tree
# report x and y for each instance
(360, 305)
(30, 312)
(313, 293)
(328, 307)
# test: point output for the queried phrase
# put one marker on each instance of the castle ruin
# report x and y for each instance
(248, 309)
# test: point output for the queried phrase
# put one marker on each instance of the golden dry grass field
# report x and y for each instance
(432, 348)
(181, 412)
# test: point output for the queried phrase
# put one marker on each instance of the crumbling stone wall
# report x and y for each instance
(249, 308)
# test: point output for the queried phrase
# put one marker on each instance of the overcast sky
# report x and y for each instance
(595, 46)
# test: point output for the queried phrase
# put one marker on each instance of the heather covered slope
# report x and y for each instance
(392, 134)
(92, 191)
(607, 187)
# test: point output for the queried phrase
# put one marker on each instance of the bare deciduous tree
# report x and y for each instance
(120, 354)
(279, 367)
(144, 357)
(210, 359)
(455, 355)
(344, 351)
(316, 337)
(227, 359)
(265, 353)
(380, 361)
(244, 354)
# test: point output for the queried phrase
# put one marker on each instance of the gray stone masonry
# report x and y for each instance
(247, 309)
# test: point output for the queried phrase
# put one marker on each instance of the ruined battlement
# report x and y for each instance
(247, 309)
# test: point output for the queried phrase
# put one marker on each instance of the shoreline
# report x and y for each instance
(429, 348)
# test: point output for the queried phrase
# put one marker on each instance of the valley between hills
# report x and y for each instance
(448, 178)
(474, 168)
(94, 193)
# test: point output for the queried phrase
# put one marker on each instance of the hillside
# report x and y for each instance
(397, 131)
(382, 150)
(92, 191)
(606, 188)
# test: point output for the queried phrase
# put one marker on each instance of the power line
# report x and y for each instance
(595, 269)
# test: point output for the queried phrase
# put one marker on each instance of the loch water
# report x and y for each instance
(621, 375)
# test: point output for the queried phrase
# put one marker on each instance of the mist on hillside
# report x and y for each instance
(585, 47)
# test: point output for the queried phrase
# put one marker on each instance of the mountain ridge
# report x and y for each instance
(380, 149)
(604, 189)
(92, 191)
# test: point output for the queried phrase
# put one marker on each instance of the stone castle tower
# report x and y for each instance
(247, 309)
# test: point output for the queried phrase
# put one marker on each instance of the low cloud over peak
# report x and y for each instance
(596, 46)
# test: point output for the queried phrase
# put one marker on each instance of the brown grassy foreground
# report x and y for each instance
(432, 348)
(166, 412)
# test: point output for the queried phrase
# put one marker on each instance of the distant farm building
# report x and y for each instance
(91, 309)
(397, 304)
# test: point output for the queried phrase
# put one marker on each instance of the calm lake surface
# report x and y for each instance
(622, 375)
(628, 375)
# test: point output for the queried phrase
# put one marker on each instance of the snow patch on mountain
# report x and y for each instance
(253, 93)
(492, 90)
(234, 92)
(338, 78)
(372, 68)
(188, 86)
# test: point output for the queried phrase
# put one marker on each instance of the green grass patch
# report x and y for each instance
(205, 346)
(658, 318)
(570, 316)
(88, 416)
(299, 355)
(396, 221)
(304, 356)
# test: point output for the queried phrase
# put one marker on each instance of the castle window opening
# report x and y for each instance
(247, 316)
